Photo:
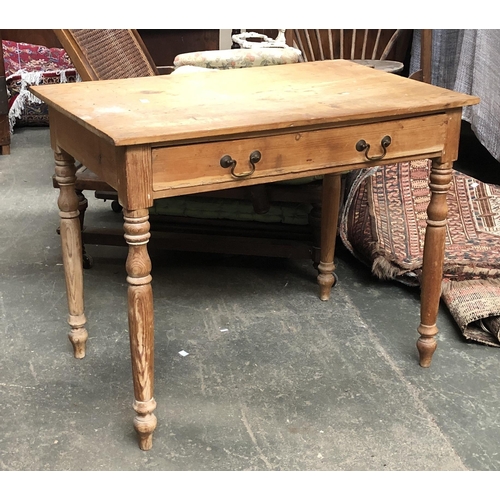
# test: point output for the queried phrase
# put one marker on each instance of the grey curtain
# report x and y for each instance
(468, 61)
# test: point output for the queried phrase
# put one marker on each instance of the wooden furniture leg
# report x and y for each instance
(4, 108)
(433, 259)
(71, 243)
(4, 121)
(314, 219)
(83, 204)
(141, 325)
(329, 221)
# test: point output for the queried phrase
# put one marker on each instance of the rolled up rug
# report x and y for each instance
(383, 224)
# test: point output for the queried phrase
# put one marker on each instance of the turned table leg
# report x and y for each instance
(329, 221)
(71, 243)
(433, 259)
(141, 325)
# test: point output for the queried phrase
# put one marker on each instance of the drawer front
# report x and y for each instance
(197, 167)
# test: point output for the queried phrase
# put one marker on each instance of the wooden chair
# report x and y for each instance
(369, 47)
(110, 54)
(424, 73)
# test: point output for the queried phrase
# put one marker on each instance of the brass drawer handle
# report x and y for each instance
(227, 162)
(362, 145)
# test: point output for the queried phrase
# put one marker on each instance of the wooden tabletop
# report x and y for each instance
(183, 107)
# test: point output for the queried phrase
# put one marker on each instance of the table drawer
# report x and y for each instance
(293, 155)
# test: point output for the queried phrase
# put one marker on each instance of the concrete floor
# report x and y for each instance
(293, 384)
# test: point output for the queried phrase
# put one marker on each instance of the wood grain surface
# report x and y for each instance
(181, 107)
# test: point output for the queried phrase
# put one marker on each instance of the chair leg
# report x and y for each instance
(315, 223)
(83, 204)
(259, 196)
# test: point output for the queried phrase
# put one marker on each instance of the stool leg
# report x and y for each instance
(141, 324)
(329, 221)
(71, 243)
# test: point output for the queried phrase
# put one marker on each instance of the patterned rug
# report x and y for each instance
(383, 224)
(25, 65)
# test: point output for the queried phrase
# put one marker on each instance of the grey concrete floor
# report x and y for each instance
(293, 384)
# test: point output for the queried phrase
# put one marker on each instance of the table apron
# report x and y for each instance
(193, 168)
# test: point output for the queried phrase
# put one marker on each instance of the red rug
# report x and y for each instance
(27, 64)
